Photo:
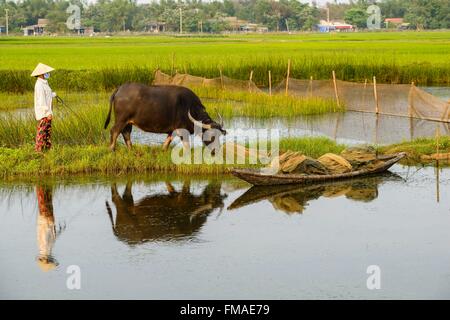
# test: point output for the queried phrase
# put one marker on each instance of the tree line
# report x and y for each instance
(282, 15)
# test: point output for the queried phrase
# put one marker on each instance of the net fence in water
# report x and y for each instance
(388, 99)
(223, 82)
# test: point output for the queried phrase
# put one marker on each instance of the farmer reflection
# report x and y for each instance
(174, 215)
(46, 231)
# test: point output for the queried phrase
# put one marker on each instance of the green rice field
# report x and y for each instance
(105, 62)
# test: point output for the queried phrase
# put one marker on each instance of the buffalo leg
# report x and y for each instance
(170, 187)
(115, 131)
(166, 143)
(126, 133)
(184, 139)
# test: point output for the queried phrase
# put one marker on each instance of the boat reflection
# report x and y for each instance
(293, 199)
(174, 215)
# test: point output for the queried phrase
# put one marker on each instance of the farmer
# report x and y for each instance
(43, 96)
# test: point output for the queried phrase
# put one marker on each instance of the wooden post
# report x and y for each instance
(375, 94)
(311, 86)
(411, 101)
(336, 90)
(364, 94)
(438, 134)
(288, 75)
(250, 80)
(377, 124)
(270, 84)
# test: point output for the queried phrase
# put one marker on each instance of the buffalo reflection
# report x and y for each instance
(293, 199)
(161, 216)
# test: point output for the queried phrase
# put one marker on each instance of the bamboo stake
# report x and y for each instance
(364, 94)
(311, 86)
(288, 75)
(438, 134)
(336, 89)
(250, 80)
(410, 100)
(270, 84)
(377, 124)
(375, 94)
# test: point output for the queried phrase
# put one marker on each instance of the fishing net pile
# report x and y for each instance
(351, 159)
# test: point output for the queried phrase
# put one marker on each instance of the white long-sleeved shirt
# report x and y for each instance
(43, 97)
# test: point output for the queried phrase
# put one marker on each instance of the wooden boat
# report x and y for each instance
(257, 178)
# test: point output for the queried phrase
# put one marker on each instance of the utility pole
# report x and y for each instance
(328, 14)
(181, 21)
(7, 22)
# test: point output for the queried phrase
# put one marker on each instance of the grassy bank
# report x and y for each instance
(419, 148)
(90, 159)
(103, 63)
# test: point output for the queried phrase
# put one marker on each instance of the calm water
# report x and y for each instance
(351, 128)
(167, 237)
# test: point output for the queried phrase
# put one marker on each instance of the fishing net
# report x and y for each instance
(335, 163)
(386, 99)
(223, 82)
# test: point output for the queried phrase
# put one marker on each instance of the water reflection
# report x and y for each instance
(163, 216)
(46, 229)
(294, 199)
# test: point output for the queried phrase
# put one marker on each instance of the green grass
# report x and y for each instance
(103, 63)
(92, 159)
(419, 147)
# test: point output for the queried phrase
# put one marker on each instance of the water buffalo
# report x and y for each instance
(157, 109)
(176, 215)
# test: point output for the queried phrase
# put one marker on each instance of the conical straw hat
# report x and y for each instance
(41, 69)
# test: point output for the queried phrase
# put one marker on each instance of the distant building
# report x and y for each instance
(398, 23)
(84, 31)
(37, 29)
(236, 24)
(2, 29)
(338, 26)
(155, 27)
